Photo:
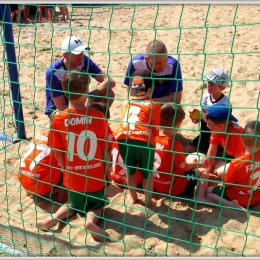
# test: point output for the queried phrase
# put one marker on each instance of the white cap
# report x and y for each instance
(218, 76)
(73, 44)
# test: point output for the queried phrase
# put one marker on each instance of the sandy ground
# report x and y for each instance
(176, 227)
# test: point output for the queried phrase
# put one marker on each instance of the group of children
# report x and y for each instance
(143, 150)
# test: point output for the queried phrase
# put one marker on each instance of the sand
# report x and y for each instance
(176, 226)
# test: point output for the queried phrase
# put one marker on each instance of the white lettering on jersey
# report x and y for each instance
(252, 166)
(159, 146)
(78, 121)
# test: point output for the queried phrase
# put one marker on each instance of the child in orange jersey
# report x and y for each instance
(136, 134)
(241, 179)
(39, 171)
(174, 174)
(225, 131)
(81, 138)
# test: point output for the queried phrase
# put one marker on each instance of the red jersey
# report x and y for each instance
(118, 169)
(170, 159)
(138, 117)
(245, 170)
(84, 136)
(232, 143)
(39, 167)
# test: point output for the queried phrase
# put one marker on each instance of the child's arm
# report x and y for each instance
(60, 158)
(212, 151)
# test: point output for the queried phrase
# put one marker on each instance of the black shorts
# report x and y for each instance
(192, 182)
(201, 142)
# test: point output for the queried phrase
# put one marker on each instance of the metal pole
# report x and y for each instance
(12, 69)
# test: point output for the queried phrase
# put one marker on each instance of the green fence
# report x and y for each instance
(201, 37)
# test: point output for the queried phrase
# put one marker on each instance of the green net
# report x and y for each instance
(201, 37)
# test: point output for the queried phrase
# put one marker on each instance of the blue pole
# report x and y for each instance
(12, 69)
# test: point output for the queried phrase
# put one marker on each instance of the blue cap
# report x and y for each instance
(220, 112)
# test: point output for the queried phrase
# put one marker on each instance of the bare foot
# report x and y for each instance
(132, 199)
(237, 205)
(105, 238)
(47, 223)
(152, 203)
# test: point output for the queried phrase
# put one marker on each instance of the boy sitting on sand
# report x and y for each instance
(226, 132)
(81, 138)
(174, 174)
(241, 177)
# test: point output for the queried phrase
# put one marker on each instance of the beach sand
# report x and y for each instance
(176, 226)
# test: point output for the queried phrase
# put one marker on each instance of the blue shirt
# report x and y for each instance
(55, 73)
(166, 82)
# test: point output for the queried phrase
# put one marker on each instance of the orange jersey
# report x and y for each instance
(83, 137)
(247, 173)
(138, 117)
(39, 167)
(169, 158)
(234, 146)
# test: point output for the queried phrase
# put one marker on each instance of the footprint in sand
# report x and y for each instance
(242, 69)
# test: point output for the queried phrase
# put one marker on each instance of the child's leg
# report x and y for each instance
(132, 184)
(202, 184)
(66, 12)
(39, 14)
(49, 14)
(148, 188)
(128, 154)
(45, 10)
(146, 159)
(212, 194)
(95, 231)
(62, 213)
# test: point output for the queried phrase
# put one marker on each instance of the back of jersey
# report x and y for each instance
(38, 166)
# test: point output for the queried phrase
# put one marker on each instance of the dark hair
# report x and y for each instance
(75, 83)
(171, 115)
(99, 106)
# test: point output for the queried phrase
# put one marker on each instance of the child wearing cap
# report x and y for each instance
(218, 81)
(241, 182)
(224, 131)
(81, 139)
(74, 59)
(174, 175)
(136, 134)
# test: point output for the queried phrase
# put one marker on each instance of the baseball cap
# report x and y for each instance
(218, 76)
(220, 112)
(73, 44)
(140, 83)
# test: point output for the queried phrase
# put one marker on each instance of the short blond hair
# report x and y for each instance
(252, 134)
(75, 83)
(171, 115)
